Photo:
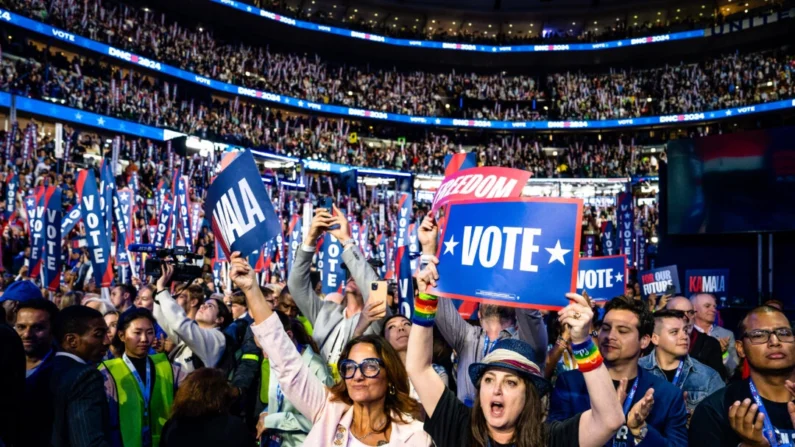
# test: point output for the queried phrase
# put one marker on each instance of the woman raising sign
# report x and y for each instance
(510, 383)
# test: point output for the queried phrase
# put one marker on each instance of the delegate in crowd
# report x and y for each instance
(731, 80)
(133, 96)
(198, 362)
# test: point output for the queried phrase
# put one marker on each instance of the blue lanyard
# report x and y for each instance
(145, 387)
(678, 373)
(628, 404)
(487, 345)
(768, 432)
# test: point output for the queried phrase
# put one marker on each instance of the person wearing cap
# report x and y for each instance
(18, 292)
(625, 332)
(472, 343)
(510, 384)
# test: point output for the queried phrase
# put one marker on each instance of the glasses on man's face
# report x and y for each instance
(370, 368)
(762, 336)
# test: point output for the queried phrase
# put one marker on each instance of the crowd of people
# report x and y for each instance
(729, 80)
(126, 94)
(158, 361)
(622, 28)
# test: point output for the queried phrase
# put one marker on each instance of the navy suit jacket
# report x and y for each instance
(80, 408)
(37, 431)
(667, 421)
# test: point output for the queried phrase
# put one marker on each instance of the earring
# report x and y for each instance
(392, 390)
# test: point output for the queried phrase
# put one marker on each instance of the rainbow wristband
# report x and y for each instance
(587, 356)
(425, 310)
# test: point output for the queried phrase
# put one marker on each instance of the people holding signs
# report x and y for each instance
(603, 278)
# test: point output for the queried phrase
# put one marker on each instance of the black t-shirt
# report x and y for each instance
(710, 423)
(670, 374)
(450, 426)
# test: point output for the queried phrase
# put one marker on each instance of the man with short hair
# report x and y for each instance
(625, 331)
(18, 292)
(703, 348)
(669, 359)
(34, 326)
(757, 411)
(706, 310)
(122, 297)
(81, 414)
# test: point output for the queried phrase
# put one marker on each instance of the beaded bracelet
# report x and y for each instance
(587, 356)
(425, 310)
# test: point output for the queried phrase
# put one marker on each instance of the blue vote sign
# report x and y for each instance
(518, 252)
(242, 214)
(603, 278)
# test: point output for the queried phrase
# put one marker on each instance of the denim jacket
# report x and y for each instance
(698, 379)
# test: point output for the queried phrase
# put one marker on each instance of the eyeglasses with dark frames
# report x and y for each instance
(762, 336)
(370, 368)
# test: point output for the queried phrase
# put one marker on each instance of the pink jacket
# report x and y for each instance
(331, 420)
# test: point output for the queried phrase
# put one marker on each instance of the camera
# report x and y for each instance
(183, 271)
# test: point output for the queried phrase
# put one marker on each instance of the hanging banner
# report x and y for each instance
(107, 186)
(514, 252)
(641, 244)
(30, 209)
(294, 239)
(480, 183)
(380, 243)
(404, 216)
(151, 232)
(590, 246)
(329, 263)
(609, 240)
(183, 217)
(660, 281)
(10, 140)
(163, 222)
(37, 236)
(714, 281)
(626, 218)
(98, 244)
(12, 184)
(195, 219)
(71, 219)
(52, 239)
(414, 248)
(405, 286)
(603, 277)
(241, 211)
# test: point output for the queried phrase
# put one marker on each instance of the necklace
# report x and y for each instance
(372, 432)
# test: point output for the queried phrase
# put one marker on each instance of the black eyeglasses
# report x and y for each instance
(370, 368)
(689, 313)
(762, 336)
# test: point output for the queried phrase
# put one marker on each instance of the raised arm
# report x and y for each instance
(606, 416)
(298, 282)
(419, 358)
(300, 386)
(207, 344)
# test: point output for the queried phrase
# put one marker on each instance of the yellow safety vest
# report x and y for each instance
(131, 401)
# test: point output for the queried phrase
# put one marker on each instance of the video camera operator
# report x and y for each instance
(200, 341)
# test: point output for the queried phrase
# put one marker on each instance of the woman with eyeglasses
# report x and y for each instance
(371, 406)
(139, 387)
(510, 384)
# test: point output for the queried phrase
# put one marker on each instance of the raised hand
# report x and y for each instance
(320, 224)
(577, 315)
(428, 276)
(640, 411)
(343, 232)
(747, 421)
(241, 273)
(428, 233)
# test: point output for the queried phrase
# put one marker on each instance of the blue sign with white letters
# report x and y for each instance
(514, 252)
(241, 211)
(603, 278)
(659, 281)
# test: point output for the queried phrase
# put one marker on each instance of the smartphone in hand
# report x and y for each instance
(328, 204)
(378, 291)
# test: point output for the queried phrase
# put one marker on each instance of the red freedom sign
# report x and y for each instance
(480, 183)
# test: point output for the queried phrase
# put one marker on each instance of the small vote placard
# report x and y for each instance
(520, 252)
(660, 281)
(242, 214)
(604, 278)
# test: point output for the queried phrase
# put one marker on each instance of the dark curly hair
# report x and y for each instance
(639, 308)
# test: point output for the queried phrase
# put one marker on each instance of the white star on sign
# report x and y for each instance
(101, 121)
(619, 278)
(449, 246)
(78, 116)
(557, 253)
(728, 113)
